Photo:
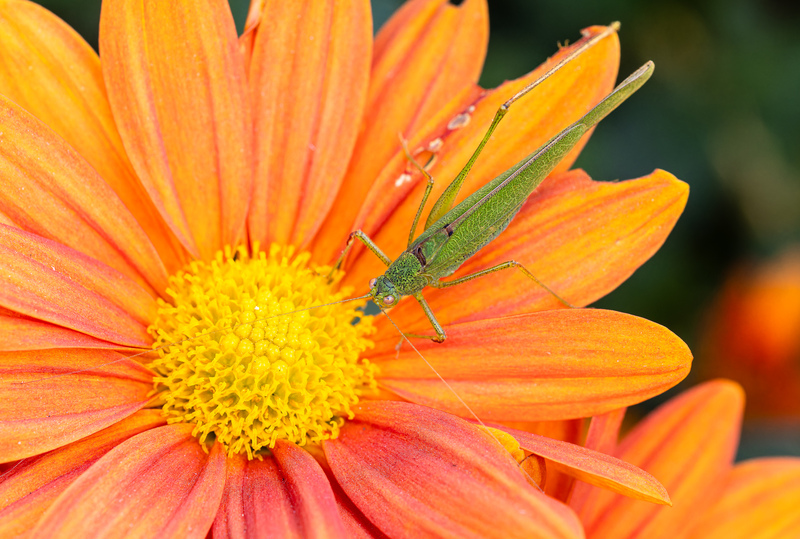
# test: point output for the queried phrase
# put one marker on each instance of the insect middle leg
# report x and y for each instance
(500, 267)
(437, 327)
(428, 188)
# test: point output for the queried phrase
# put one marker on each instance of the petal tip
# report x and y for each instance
(728, 389)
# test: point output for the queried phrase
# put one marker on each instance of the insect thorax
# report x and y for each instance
(405, 274)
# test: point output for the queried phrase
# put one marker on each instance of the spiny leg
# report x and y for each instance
(358, 234)
(500, 267)
(445, 201)
(428, 188)
(437, 327)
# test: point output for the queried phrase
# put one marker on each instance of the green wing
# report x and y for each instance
(482, 216)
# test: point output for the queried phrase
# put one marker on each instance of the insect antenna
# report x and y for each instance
(11, 470)
(193, 337)
(466, 406)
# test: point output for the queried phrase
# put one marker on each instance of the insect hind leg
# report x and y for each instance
(500, 267)
(448, 197)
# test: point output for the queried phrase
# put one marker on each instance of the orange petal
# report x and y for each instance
(51, 191)
(568, 430)
(415, 471)
(178, 91)
(550, 365)
(593, 467)
(581, 238)
(752, 334)
(604, 431)
(50, 71)
(309, 492)
(45, 280)
(560, 100)
(602, 437)
(231, 520)
(30, 487)
(356, 524)
(5, 220)
(308, 74)
(24, 334)
(760, 501)
(688, 444)
(428, 52)
(284, 496)
(53, 397)
(248, 37)
(556, 484)
(157, 484)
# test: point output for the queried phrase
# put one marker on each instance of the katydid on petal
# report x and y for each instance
(453, 234)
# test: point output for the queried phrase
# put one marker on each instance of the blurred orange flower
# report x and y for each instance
(753, 335)
(136, 193)
(689, 444)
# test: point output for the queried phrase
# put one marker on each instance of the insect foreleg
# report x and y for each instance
(500, 267)
(437, 327)
(366, 241)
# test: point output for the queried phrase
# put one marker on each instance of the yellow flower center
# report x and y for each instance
(240, 360)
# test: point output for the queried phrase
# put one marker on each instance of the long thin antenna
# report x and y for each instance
(14, 467)
(486, 428)
(193, 337)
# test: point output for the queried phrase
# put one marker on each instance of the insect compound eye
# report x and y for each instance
(388, 300)
(373, 282)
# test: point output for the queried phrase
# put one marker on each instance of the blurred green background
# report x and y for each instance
(722, 112)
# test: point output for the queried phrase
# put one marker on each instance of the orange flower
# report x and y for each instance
(136, 193)
(689, 444)
(753, 335)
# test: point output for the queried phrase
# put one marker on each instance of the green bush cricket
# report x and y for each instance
(454, 233)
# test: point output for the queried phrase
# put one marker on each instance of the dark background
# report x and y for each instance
(722, 112)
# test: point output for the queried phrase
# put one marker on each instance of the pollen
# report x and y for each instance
(246, 355)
